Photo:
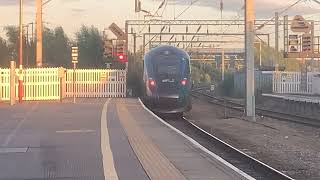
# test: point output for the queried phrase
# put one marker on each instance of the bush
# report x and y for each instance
(226, 87)
(135, 83)
(135, 79)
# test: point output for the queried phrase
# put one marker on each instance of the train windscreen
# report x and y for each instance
(169, 71)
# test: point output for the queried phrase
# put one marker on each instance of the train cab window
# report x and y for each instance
(166, 68)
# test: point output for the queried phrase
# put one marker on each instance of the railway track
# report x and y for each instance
(309, 121)
(247, 164)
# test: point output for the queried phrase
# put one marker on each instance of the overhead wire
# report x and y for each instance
(164, 3)
(175, 18)
(164, 9)
(288, 7)
(236, 18)
(221, 6)
(316, 1)
(160, 6)
(188, 7)
(281, 12)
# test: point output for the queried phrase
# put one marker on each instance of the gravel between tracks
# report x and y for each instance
(291, 148)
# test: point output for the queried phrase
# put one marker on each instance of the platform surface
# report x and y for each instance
(296, 97)
(98, 139)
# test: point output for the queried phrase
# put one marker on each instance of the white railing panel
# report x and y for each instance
(289, 83)
(4, 84)
(44, 83)
(96, 83)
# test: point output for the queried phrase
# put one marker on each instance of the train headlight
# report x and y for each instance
(152, 83)
(184, 82)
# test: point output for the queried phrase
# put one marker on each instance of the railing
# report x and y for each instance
(45, 84)
(4, 84)
(96, 83)
(290, 83)
(41, 84)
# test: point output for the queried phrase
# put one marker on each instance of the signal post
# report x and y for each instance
(249, 49)
(74, 54)
(121, 50)
(299, 43)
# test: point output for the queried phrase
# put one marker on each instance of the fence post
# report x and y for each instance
(12, 83)
(1, 96)
(61, 76)
(74, 82)
(64, 84)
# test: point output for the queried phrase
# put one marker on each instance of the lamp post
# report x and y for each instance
(39, 29)
(39, 33)
(27, 42)
(249, 46)
(20, 86)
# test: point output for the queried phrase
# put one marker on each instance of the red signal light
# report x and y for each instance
(122, 58)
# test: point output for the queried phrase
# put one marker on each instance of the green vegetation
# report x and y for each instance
(90, 45)
(226, 88)
(56, 48)
(268, 54)
(135, 77)
(204, 74)
(4, 52)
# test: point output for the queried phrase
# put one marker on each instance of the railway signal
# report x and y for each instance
(74, 55)
(121, 57)
(307, 42)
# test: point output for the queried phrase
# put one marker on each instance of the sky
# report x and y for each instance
(71, 14)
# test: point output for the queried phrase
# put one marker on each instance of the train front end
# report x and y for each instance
(167, 80)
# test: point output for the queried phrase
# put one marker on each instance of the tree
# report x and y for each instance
(196, 76)
(4, 53)
(62, 47)
(268, 54)
(207, 79)
(12, 33)
(56, 49)
(90, 45)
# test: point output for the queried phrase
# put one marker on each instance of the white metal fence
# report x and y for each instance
(96, 83)
(44, 83)
(4, 84)
(41, 84)
(290, 82)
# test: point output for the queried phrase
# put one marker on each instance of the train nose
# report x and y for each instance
(168, 103)
(172, 104)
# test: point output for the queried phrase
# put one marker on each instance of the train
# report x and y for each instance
(167, 80)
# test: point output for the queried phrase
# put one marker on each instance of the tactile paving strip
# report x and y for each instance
(157, 166)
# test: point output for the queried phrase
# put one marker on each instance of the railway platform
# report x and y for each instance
(303, 105)
(100, 139)
(162, 151)
(296, 98)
